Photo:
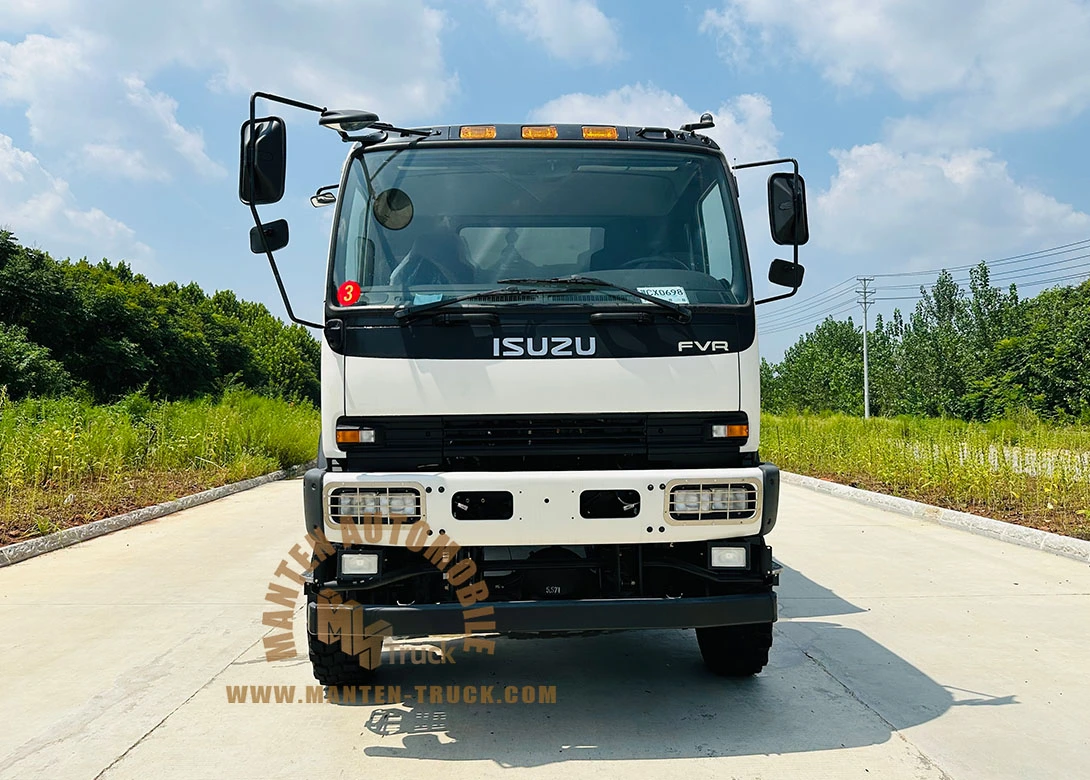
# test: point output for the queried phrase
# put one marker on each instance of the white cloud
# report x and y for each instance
(41, 210)
(87, 77)
(995, 65)
(743, 127)
(910, 210)
(163, 109)
(571, 30)
(119, 162)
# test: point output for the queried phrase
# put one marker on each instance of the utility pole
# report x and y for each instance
(865, 300)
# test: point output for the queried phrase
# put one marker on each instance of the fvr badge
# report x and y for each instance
(703, 346)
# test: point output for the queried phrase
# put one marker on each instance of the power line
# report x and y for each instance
(812, 302)
(812, 310)
(1038, 283)
(1003, 275)
(795, 325)
(1048, 252)
(831, 302)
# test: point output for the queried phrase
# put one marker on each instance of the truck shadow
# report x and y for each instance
(646, 695)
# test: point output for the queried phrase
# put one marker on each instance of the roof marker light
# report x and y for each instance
(477, 132)
(539, 131)
(600, 133)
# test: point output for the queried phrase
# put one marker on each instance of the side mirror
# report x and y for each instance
(786, 274)
(787, 209)
(275, 235)
(263, 161)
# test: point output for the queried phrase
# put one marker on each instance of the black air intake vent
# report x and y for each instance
(545, 435)
(550, 442)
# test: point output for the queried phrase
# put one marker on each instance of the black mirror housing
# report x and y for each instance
(275, 237)
(787, 209)
(786, 274)
(262, 161)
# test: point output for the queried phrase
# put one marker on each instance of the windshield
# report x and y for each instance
(422, 225)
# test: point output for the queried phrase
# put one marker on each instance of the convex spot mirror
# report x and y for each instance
(262, 161)
(786, 274)
(787, 209)
(393, 209)
(275, 234)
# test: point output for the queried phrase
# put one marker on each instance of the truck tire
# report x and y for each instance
(333, 666)
(735, 651)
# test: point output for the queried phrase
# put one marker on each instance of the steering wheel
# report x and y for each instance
(656, 261)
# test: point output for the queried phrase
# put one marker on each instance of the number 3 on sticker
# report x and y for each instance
(348, 293)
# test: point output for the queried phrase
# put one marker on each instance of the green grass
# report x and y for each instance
(66, 461)
(1025, 471)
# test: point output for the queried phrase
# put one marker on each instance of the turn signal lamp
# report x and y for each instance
(347, 435)
(730, 431)
(539, 132)
(600, 133)
(478, 132)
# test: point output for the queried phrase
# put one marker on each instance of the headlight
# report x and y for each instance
(353, 505)
(713, 502)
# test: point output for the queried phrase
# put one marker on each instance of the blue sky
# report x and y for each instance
(931, 134)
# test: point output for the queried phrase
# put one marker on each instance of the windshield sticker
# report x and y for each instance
(348, 293)
(421, 298)
(672, 294)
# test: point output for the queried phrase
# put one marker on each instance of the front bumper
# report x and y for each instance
(547, 508)
(574, 615)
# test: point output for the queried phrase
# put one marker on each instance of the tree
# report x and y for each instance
(822, 372)
(26, 368)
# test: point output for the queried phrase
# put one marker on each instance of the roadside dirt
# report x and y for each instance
(35, 512)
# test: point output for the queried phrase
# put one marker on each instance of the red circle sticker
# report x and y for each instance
(348, 293)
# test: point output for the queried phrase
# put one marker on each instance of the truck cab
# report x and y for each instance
(540, 389)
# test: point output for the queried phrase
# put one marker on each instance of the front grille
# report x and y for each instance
(572, 441)
(601, 435)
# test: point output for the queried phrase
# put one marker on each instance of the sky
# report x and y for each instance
(930, 134)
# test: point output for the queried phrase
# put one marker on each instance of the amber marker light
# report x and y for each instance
(477, 132)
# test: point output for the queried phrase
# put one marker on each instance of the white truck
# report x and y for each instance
(540, 385)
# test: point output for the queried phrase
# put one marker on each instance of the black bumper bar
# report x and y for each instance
(574, 615)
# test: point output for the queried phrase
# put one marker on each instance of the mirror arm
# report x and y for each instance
(795, 197)
(251, 151)
(276, 275)
(780, 297)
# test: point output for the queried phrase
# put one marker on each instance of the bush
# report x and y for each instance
(26, 368)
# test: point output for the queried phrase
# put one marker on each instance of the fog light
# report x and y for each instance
(728, 557)
(357, 563)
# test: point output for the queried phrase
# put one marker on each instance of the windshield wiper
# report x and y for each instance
(683, 313)
(517, 287)
(408, 313)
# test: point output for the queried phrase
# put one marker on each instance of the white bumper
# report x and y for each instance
(546, 506)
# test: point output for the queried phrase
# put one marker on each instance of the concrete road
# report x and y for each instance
(904, 650)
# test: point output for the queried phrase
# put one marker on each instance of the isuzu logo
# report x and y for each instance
(703, 346)
(557, 346)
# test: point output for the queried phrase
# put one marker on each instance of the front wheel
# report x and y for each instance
(333, 666)
(735, 651)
